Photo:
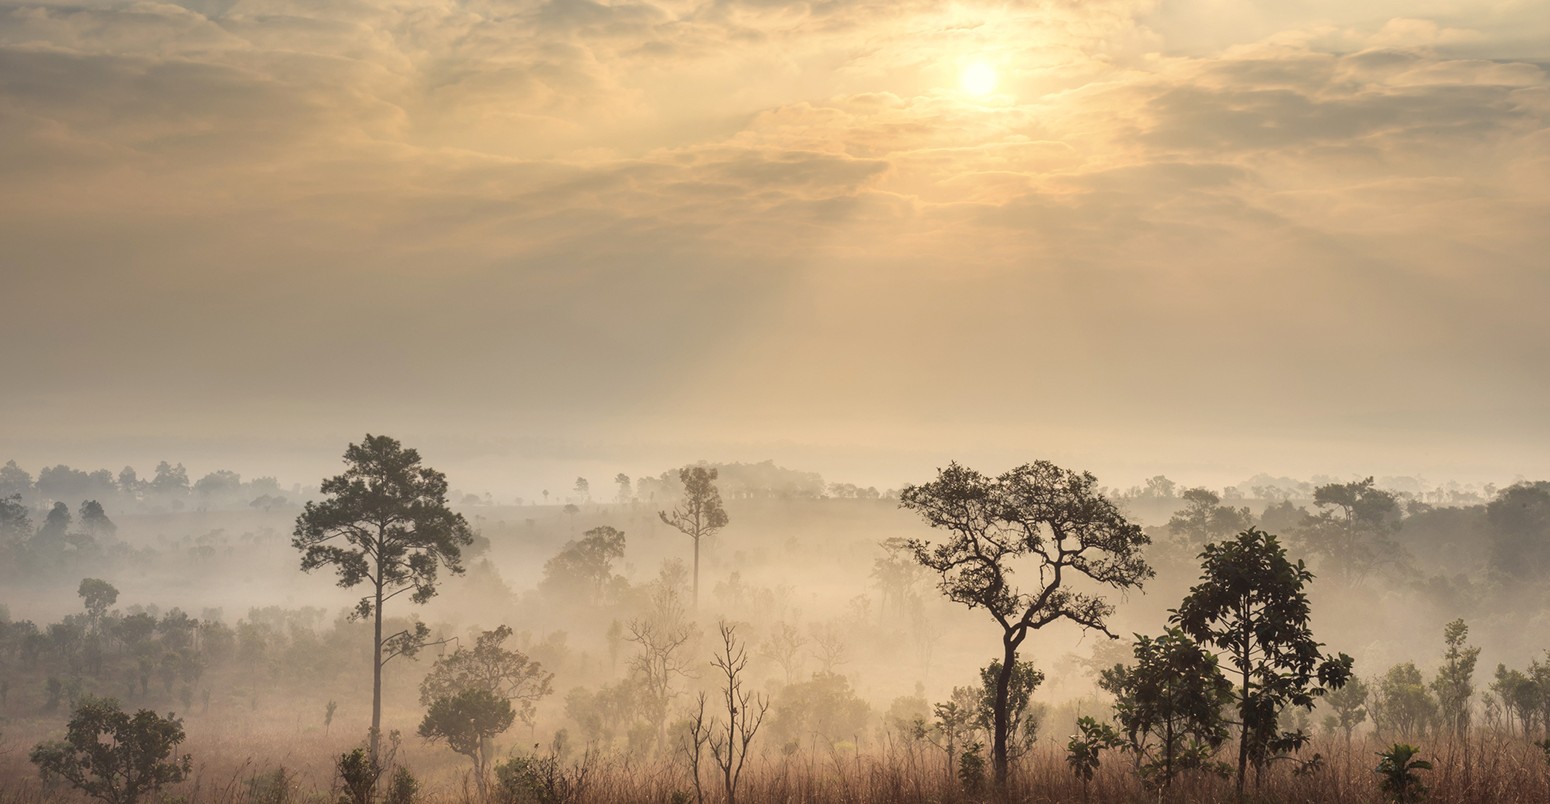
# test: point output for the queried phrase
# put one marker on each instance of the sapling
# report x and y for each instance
(1399, 769)
(1083, 750)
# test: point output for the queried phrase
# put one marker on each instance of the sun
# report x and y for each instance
(978, 79)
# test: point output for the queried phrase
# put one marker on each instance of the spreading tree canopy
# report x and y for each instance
(1039, 517)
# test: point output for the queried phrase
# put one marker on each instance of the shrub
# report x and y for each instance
(114, 756)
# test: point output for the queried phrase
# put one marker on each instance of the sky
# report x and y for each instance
(538, 239)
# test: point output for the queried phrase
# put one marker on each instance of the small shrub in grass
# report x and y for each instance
(971, 769)
(403, 788)
(1083, 750)
(357, 777)
(1399, 769)
(273, 787)
(539, 780)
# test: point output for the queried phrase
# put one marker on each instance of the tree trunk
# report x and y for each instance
(696, 573)
(376, 674)
(998, 752)
(1243, 710)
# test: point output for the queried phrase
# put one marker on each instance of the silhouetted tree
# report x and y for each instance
(489, 665)
(729, 738)
(1519, 522)
(1403, 707)
(1353, 532)
(1170, 703)
(1023, 718)
(663, 633)
(111, 755)
(98, 596)
(622, 480)
(95, 520)
(170, 480)
(1037, 511)
(699, 514)
(1349, 703)
(15, 481)
(584, 568)
(1250, 605)
(385, 522)
(1204, 519)
(467, 720)
(1454, 685)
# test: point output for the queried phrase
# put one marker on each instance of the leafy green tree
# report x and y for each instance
(1454, 685)
(699, 514)
(1053, 518)
(384, 522)
(1400, 771)
(114, 756)
(467, 720)
(1250, 605)
(1170, 703)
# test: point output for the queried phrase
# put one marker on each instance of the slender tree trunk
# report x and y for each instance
(376, 674)
(998, 752)
(696, 573)
(1243, 706)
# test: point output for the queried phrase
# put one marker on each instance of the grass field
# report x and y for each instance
(240, 765)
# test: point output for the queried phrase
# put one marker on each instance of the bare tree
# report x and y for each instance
(699, 515)
(829, 646)
(784, 647)
(745, 712)
(662, 636)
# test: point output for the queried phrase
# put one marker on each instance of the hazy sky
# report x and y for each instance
(1203, 237)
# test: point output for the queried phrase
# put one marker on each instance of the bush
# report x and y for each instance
(538, 780)
(114, 756)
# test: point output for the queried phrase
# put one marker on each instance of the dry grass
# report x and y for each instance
(1487, 769)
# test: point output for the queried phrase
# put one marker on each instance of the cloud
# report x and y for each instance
(766, 212)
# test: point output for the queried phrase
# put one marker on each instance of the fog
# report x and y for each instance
(847, 634)
(840, 313)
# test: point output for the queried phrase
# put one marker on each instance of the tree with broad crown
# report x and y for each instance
(97, 595)
(1250, 605)
(699, 515)
(114, 756)
(468, 720)
(386, 523)
(1204, 519)
(1040, 512)
(489, 665)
